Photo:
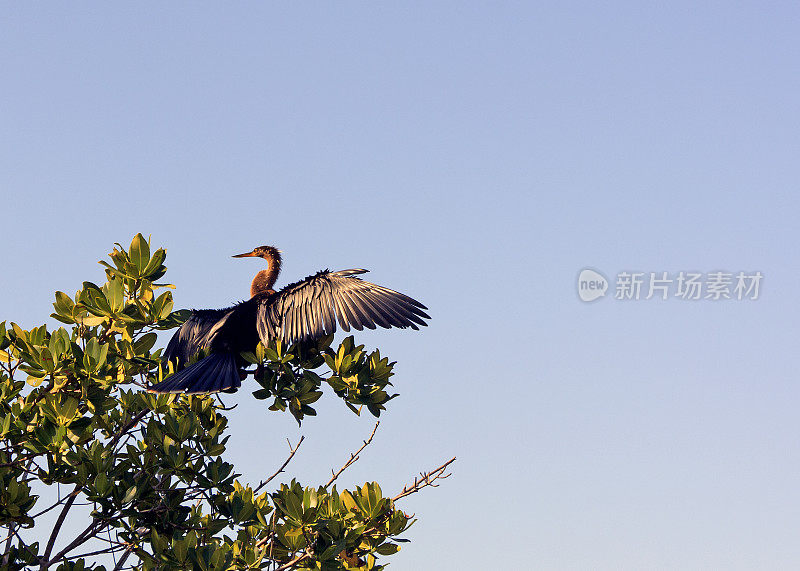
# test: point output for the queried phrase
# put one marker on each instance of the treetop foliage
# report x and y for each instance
(75, 416)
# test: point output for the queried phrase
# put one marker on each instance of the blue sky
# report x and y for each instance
(476, 156)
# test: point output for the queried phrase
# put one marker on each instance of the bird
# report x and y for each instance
(306, 310)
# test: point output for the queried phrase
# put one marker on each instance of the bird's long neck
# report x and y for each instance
(265, 279)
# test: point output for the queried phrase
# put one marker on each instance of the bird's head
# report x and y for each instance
(266, 252)
(264, 279)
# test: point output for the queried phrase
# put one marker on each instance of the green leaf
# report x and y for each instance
(129, 495)
(310, 397)
(142, 345)
(155, 264)
(158, 542)
(174, 319)
(101, 484)
(261, 394)
(139, 253)
(90, 320)
(19, 332)
(249, 357)
(181, 549)
(47, 360)
(162, 306)
(93, 298)
(349, 501)
(388, 549)
(67, 411)
(95, 355)
(63, 304)
(59, 342)
(115, 294)
(117, 272)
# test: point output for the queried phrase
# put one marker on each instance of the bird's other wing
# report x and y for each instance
(310, 308)
(195, 334)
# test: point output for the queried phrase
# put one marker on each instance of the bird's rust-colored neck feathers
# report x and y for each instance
(265, 279)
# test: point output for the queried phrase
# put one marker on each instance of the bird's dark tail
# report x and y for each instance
(217, 372)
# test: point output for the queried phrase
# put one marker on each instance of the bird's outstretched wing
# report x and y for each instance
(195, 334)
(309, 309)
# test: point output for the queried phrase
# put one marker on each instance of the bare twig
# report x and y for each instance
(353, 456)
(293, 562)
(292, 452)
(425, 479)
(99, 552)
(222, 404)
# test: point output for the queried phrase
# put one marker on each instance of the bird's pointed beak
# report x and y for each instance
(247, 255)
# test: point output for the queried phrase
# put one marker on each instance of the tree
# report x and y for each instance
(152, 467)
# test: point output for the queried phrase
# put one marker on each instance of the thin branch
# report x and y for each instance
(58, 503)
(12, 532)
(116, 543)
(353, 456)
(272, 534)
(122, 559)
(99, 552)
(122, 431)
(59, 522)
(8, 544)
(82, 538)
(108, 531)
(292, 452)
(425, 479)
(123, 441)
(222, 404)
(18, 460)
(294, 561)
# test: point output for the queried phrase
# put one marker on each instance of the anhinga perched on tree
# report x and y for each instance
(302, 311)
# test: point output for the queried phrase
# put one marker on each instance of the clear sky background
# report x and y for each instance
(476, 156)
